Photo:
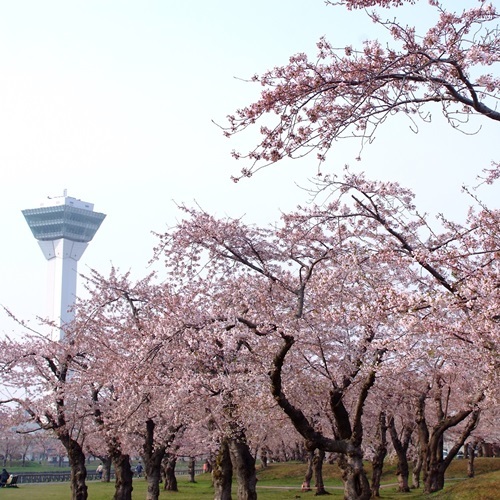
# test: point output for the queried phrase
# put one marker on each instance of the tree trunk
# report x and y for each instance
(379, 456)
(121, 462)
(436, 464)
(403, 473)
(244, 467)
(431, 442)
(486, 449)
(318, 473)
(306, 485)
(401, 449)
(170, 479)
(153, 456)
(263, 458)
(191, 469)
(106, 472)
(435, 478)
(349, 436)
(123, 476)
(222, 473)
(77, 463)
(356, 485)
(153, 477)
(415, 474)
(470, 464)
(106, 467)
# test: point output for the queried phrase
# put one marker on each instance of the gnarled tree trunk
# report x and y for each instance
(222, 473)
(401, 449)
(263, 458)
(243, 467)
(121, 462)
(191, 469)
(153, 478)
(170, 461)
(306, 485)
(123, 474)
(431, 443)
(153, 456)
(106, 468)
(471, 455)
(350, 437)
(379, 456)
(356, 485)
(415, 473)
(319, 484)
(77, 463)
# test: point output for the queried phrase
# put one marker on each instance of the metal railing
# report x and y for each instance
(59, 477)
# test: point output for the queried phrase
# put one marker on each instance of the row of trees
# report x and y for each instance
(349, 324)
(346, 322)
(25, 446)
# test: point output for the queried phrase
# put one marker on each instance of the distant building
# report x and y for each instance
(63, 226)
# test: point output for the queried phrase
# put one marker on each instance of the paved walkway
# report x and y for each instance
(331, 487)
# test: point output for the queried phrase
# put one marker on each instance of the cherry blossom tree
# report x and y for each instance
(39, 378)
(401, 440)
(134, 373)
(308, 105)
(298, 316)
(457, 316)
(226, 413)
(447, 402)
(380, 453)
(7, 435)
(113, 378)
(339, 288)
(43, 443)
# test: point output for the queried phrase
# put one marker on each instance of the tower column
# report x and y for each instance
(63, 231)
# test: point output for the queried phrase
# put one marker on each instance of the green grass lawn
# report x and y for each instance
(282, 481)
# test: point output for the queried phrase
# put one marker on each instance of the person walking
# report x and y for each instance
(99, 471)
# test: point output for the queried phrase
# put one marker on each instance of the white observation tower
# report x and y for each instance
(63, 227)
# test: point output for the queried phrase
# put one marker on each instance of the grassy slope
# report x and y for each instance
(282, 481)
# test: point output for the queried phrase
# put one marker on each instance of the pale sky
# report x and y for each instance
(114, 101)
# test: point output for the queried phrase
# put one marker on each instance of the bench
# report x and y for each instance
(11, 482)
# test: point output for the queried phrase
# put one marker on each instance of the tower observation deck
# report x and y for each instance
(63, 227)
